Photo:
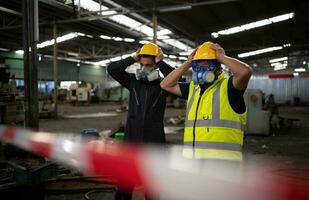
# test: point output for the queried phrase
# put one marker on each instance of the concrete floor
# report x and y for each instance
(73, 125)
(290, 145)
(288, 148)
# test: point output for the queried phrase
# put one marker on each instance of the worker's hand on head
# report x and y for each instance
(220, 53)
(135, 55)
(160, 56)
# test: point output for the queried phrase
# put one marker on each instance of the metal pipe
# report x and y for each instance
(155, 27)
(7, 10)
(55, 63)
(78, 9)
(36, 20)
(211, 2)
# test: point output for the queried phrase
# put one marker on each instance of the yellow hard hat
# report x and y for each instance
(150, 49)
(205, 52)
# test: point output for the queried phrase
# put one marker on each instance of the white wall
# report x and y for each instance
(283, 89)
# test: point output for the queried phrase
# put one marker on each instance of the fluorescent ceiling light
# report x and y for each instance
(185, 53)
(278, 63)
(88, 4)
(129, 40)
(253, 25)
(182, 58)
(105, 37)
(120, 19)
(106, 61)
(300, 70)
(3, 49)
(133, 24)
(164, 32)
(60, 39)
(172, 56)
(117, 39)
(295, 74)
(177, 44)
(81, 34)
(143, 42)
(19, 51)
(130, 22)
(260, 51)
(94, 6)
(126, 21)
(89, 36)
(146, 30)
(287, 45)
(72, 60)
(278, 59)
(279, 67)
(282, 17)
(110, 12)
(163, 37)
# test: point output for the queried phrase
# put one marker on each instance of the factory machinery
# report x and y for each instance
(11, 105)
(22, 174)
(80, 94)
(258, 120)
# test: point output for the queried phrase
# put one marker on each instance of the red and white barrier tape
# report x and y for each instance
(162, 172)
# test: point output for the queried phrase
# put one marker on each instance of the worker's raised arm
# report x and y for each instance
(170, 82)
(117, 70)
(241, 71)
(163, 66)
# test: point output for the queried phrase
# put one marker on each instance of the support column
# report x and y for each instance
(30, 40)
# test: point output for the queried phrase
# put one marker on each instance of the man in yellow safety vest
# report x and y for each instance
(216, 112)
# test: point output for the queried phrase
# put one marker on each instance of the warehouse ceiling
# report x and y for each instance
(190, 22)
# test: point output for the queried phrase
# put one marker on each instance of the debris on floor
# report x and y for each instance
(176, 120)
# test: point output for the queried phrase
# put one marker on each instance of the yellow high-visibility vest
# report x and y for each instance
(213, 130)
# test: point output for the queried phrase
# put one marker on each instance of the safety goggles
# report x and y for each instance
(204, 65)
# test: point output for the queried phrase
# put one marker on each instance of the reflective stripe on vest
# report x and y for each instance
(215, 122)
(191, 101)
(215, 145)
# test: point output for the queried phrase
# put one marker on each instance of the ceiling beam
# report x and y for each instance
(10, 11)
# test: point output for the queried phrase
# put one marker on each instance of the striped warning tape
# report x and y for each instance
(160, 171)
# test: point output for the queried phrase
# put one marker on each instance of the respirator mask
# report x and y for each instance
(147, 74)
(204, 71)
